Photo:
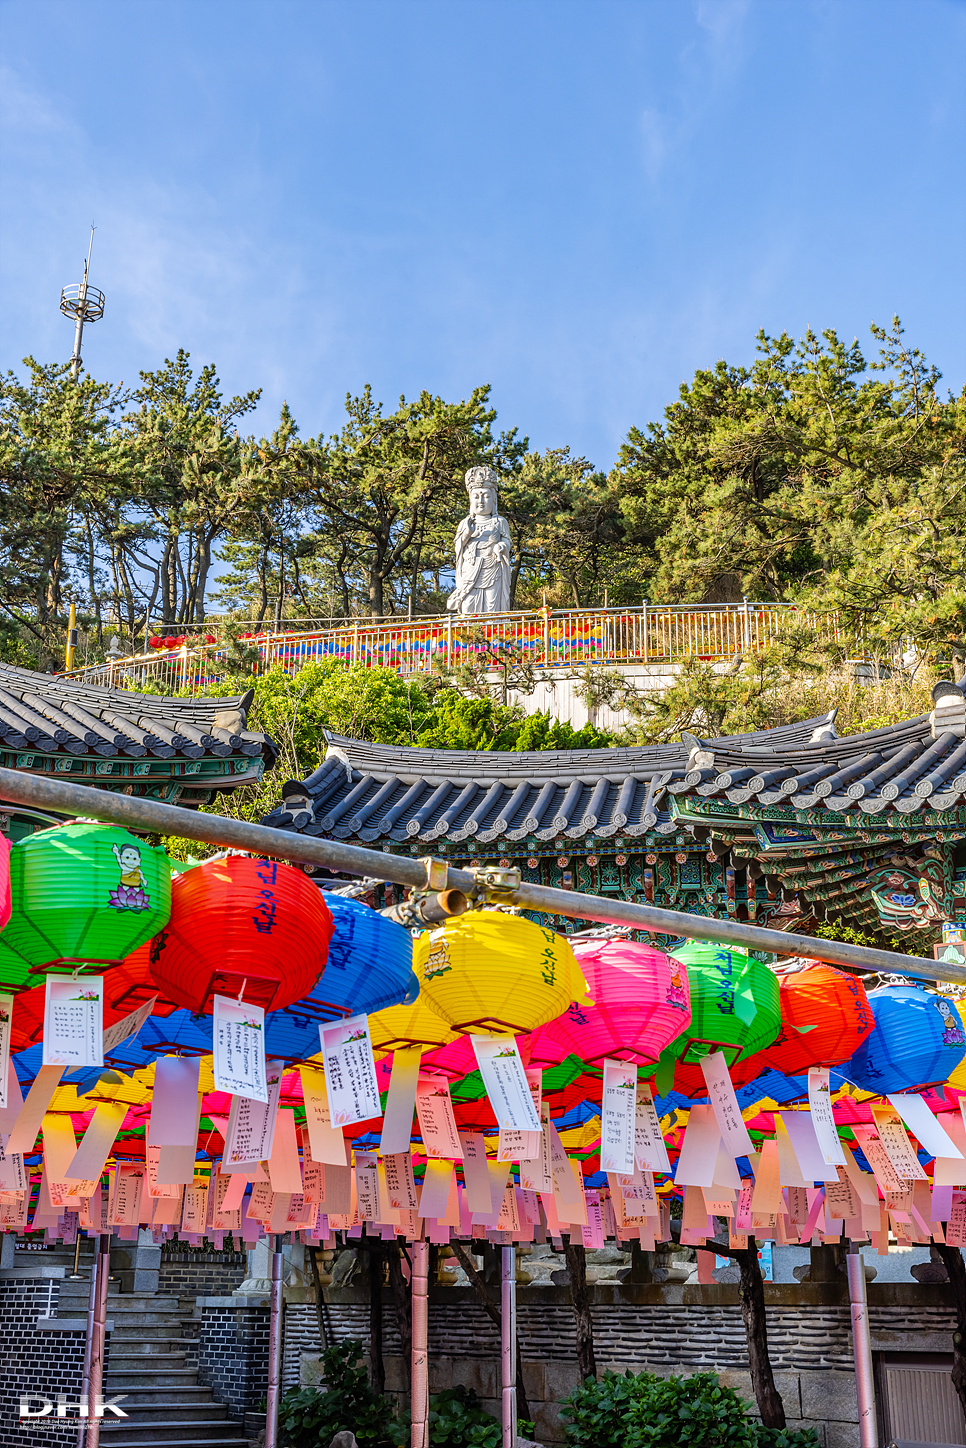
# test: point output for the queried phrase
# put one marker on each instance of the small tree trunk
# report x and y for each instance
(402, 1301)
(952, 1260)
(375, 1321)
(751, 1292)
(496, 1317)
(576, 1259)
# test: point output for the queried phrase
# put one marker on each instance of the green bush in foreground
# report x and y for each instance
(646, 1411)
(311, 1417)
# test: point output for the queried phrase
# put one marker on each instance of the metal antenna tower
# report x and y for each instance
(85, 304)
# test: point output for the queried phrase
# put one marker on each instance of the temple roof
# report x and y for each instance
(378, 792)
(171, 748)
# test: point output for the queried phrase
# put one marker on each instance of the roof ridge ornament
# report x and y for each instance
(825, 732)
(949, 715)
(700, 756)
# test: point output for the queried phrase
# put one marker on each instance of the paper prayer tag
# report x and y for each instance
(350, 1071)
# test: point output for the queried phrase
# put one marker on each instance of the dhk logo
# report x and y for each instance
(80, 1409)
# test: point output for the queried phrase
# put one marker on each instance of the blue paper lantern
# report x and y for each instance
(370, 963)
(918, 1041)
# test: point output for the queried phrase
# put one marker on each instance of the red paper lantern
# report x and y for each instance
(242, 926)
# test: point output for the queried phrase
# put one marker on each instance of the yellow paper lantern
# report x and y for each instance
(399, 1027)
(490, 972)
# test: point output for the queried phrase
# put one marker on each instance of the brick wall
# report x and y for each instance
(670, 1329)
(233, 1351)
(35, 1360)
(201, 1274)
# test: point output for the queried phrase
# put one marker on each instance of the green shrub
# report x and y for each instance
(600, 1411)
(645, 1411)
(456, 1420)
(311, 1417)
(695, 1411)
(787, 1437)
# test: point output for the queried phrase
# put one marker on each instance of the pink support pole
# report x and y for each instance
(98, 1335)
(420, 1373)
(862, 1350)
(274, 1349)
(508, 1346)
(91, 1314)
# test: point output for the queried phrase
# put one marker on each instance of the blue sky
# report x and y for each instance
(579, 203)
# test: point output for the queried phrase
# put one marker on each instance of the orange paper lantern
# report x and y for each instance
(825, 1018)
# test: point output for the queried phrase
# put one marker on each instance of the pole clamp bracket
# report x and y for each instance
(437, 873)
(495, 886)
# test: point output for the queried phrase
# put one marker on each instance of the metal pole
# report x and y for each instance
(98, 1335)
(73, 800)
(862, 1350)
(508, 1354)
(274, 1350)
(419, 1397)
(91, 1311)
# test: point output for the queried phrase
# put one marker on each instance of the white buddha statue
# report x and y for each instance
(483, 551)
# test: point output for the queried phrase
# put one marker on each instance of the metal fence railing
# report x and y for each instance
(549, 639)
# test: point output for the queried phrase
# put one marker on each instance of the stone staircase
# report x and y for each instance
(147, 1359)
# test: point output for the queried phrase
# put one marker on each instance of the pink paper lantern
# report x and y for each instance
(5, 900)
(641, 1003)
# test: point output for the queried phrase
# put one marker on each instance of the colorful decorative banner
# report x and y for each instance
(649, 1149)
(126, 1029)
(823, 1120)
(699, 1149)
(397, 1124)
(73, 1021)
(896, 1143)
(437, 1124)
(537, 1175)
(505, 1081)
(174, 1102)
(238, 1040)
(251, 1124)
(924, 1126)
(326, 1141)
(350, 1071)
(6, 1021)
(400, 1183)
(618, 1117)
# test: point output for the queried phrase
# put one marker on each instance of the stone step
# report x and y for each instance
(128, 1380)
(129, 1362)
(164, 1412)
(188, 1394)
(161, 1339)
(125, 1434)
(130, 1344)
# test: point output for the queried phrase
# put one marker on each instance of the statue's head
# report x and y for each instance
(481, 484)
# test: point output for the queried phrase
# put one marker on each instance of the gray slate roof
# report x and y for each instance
(378, 792)
(46, 716)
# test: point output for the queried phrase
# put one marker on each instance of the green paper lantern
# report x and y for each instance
(82, 893)
(734, 1003)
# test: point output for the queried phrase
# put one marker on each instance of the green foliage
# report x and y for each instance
(296, 711)
(456, 1420)
(787, 1437)
(695, 1411)
(806, 478)
(643, 1410)
(599, 1412)
(311, 1417)
(780, 685)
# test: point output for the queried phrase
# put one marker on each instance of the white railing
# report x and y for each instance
(548, 639)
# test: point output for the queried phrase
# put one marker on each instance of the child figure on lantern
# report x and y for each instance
(676, 994)
(130, 893)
